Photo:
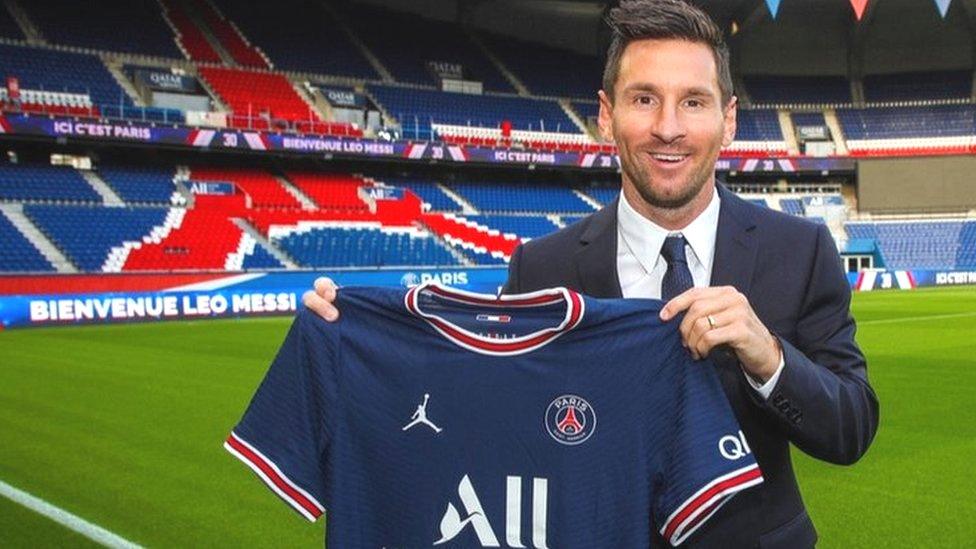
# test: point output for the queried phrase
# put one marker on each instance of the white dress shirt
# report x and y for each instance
(641, 268)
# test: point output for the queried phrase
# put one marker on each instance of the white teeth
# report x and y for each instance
(669, 157)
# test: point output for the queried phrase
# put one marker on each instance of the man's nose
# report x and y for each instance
(668, 125)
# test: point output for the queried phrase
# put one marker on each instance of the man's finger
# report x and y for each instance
(679, 303)
(320, 306)
(325, 288)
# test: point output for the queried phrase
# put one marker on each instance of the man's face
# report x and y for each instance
(667, 119)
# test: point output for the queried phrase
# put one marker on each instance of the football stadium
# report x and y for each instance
(175, 175)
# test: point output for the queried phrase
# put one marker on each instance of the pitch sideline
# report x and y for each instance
(72, 522)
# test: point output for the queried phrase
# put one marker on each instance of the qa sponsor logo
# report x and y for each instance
(733, 447)
(570, 420)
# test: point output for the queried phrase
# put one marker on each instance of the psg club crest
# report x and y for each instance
(570, 420)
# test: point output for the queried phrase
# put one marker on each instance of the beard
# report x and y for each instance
(641, 179)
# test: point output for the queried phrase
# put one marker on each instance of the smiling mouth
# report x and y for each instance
(669, 158)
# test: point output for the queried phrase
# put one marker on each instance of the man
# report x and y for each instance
(769, 302)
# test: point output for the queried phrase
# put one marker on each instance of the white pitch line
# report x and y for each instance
(66, 519)
(914, 318)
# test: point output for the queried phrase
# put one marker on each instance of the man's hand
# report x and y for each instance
(723, 316)
(320, 299)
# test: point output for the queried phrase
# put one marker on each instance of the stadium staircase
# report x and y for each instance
(109, 198)
(190, 38)
(15, 215)
(229, 37)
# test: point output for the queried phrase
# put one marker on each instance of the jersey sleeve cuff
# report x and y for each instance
(698, 508)
(292, 494)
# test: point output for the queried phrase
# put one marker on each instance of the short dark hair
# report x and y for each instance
(664, 20)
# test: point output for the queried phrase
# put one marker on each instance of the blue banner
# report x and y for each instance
(353, 147)
(240, 296)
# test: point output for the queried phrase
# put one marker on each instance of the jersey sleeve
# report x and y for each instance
(284, 434)
(708, 459)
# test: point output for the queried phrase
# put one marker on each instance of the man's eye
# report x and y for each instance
(643, 100)
(694, 103)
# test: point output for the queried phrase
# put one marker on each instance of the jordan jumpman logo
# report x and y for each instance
(420, 416)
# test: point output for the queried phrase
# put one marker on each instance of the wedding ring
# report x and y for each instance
(711, 322)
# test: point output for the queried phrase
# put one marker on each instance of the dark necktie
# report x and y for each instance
(677, 278)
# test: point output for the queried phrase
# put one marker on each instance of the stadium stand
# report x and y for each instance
(386, 33)
(429, 192)
(808, 119)
(256, 257)
(229, 36)
(758, 133)
(522, 226)
(476, 241)
(586, 110)
(888, 88)
(259, 186)
(355, 244)
(190, 38)
(17, 254)
(913, 130)
(9, 27)
(549, 71)
(41, 182)
(603, 195)
(257, 97)
(521, 198)
(417, 109)
(313, 41)
(917, 244)
(330, 191)
(142, 184)
(60, 71)
(131, 26)
(798, 90)
(966, 255)
(87, 234)
(792, 206)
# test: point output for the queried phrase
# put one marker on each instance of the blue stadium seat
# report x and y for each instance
(808, 119)
(792, 206)
(261, 258)
(918, 86)
(966, 255)
(429, 192)
(521, 198)
(405, 43)
(132, 26)
(603, 195)
(87, 234)
(44, 182)
(363, 247)
(917, 245)
(299, 36)
(549, 71)
(17, 254)
(416, 109)
(908, 122)
(809, 90)
(758, 125)
(146, 184)
(43, 69)
(523, 226)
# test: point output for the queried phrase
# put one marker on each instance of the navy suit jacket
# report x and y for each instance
(790, 271)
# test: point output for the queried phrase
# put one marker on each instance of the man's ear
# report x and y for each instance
(731, 111)
(605, 120)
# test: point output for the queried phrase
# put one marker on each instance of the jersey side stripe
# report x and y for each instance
(291, 493)
(704, 499)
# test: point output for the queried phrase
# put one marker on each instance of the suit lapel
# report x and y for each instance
(735, 243)
(596, 258)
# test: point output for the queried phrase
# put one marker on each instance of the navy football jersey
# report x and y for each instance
(432, 416)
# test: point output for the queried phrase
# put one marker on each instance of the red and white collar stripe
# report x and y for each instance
(489, 346)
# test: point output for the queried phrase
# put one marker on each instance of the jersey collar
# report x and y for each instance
(480, 344)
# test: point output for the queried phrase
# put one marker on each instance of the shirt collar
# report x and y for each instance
(645, 238)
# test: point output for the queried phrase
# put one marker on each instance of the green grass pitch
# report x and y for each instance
(123, 426)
